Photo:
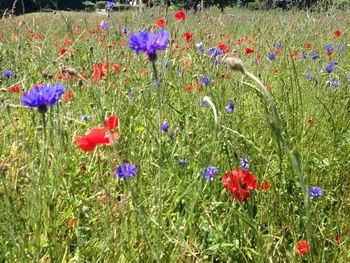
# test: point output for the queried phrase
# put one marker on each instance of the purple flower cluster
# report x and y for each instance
(149, 42)
(127, 170)
(209, 173)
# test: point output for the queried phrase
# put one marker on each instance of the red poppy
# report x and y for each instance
(68, 95)
(337, 240)
(112, 122)
(308, 45)
(63, 51)
(223, 47)
(302, 247)
(188, 87)
(95, 137)
(310, 122)
(100, 70)
(188, 36)
(15, 89)
(160, 22)
(338, 33)
(329, 54)
(294, 54)
(249, 50)
(180, 15)
(265, 186)
(238, 182)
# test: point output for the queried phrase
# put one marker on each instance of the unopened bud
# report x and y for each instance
(235, 64)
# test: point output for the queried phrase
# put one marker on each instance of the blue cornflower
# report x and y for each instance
(165, 127)
(104, 25)
(272, 56)
(84, 118)
(171, 135)
(304, 56)
(125, 30)
(155, 84)
(330, 66)
(209, 173)
(230, 107)
(329, 48)
(7, 74)
(203, 103)
(149, 42)
(127, 170)
(333, 83)
(309, 76)
(43, 96)
(209, 36)
(214, 51)
(341, 48)
(200, 46)
(205, 80)
(278, 46)
(182, 162)
(314, 56)
(131, 95)
(316, 191)
(109, 5)
(244, 162)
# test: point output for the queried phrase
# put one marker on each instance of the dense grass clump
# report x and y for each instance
(173, 156)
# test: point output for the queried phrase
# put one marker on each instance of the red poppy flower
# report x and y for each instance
(68, 95)
(265, 186)
(302, 247)
(180, 15)
(329, 54)
(100, 70)
(223, 47)
(308, 45)
(15, 89)
(188, 36)
(63, 51)
(188, 87)
(238, 182)
(337, 240)
(112, 122)
(294, 54)
(310, 122)
(95, 137)
(338, 33)
(249, 50)
(160, 22)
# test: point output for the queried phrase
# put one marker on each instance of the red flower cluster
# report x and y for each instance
(99, 135)
(338, 33)
(249, 50)
(160, 22)
(238, 182)
(188, 37)
(180, 15)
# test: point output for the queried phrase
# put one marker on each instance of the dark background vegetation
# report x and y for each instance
(25, 6)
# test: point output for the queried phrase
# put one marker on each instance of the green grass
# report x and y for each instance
(52, 210)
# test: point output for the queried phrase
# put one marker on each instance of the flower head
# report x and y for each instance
(271, 56)
(180, 15)
(182, 162)
(104, 25)
(125, 30)
(302, 247)
(209, 173)
(239, 182)
(126, 170)
(165, 127)
(42, 96)
(329, 48)
(244, 162)
(7, 74)
(109, 5)
(230, 107)
(149, 42)
(205, 80)
(316, 191)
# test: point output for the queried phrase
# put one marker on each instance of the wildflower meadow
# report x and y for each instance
(166, 135)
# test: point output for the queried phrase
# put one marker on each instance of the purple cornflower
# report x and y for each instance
(314, 56)
(127, 170)
(329, 48)
(278, 46)
(209, 173)
(165, 127)
(131, 95)
(330, 66)
(149, 42)
(203, 103)
(200, 46)
(182, 162)
(171, 135)
(209, 36)
(84, 118)
(104, 26)
(309, 76)
(7, 74)
(125, 30)
(316, 191)
(230, 107)
(341, 48)
(271, 56)
(155, 84)
(304, 56)
(43, 96)
(333, 83)
(244, 162)
(205, 80)
(109, 5)
(214, 51)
